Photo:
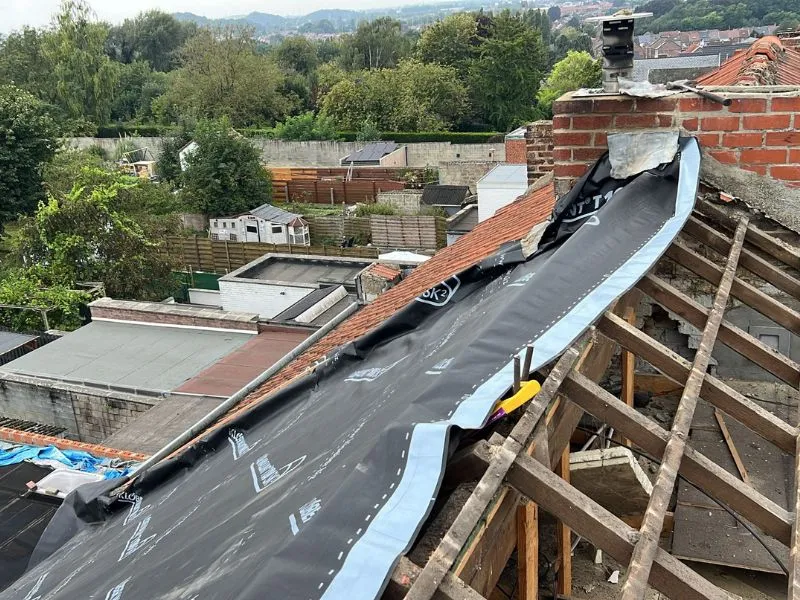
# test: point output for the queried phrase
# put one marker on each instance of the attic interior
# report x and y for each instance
(508, 522)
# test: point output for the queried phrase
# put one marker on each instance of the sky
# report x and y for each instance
(16, 13)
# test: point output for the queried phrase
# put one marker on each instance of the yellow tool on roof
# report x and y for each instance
(527, 390)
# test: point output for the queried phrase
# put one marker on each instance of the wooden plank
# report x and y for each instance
(702, 472)
(457, 535)
(736, 339)
(749, 294)
(674, 366)
(604, 530)
(731, 446)
(656, 385)
(564, 538)
(528, 551)
(752, 262)
(771, 245)
(636, 580)
(794, 560)
(406, 572)
(628, 364)
(594, 364)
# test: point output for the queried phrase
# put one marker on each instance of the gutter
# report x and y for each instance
(235, 399)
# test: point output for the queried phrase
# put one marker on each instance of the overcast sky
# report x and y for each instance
(16, 13)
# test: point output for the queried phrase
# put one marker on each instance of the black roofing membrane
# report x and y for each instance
(316, 492)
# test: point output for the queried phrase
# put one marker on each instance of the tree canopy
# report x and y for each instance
(576, 70)
(224, 175)
(27, 142)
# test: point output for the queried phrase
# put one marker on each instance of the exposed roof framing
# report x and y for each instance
(519, 469)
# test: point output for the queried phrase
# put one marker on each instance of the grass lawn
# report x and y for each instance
(311, 210)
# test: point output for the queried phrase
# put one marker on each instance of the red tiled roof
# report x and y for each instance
(510, 223)
(766, 62)
(37, 439)
(385, 271)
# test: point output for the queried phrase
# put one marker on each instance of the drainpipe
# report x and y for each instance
(231, 402)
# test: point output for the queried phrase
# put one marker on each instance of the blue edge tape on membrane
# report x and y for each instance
(383, 542)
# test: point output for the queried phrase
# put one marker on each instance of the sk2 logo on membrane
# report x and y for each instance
(440, 294)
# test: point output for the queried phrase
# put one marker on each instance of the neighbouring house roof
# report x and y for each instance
(306, 269)
(445, 195)
(403, 257)
(135, 356)
(505, 175)
(10, 340)
(766, 62)
(518, 133)
(643, 67)
(384, 271)
(464, 220)
(273, 214)
(371, 152)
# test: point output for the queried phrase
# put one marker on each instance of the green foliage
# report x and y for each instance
(88, 236)
(223, 75)
(369, 131)
(23, 63)
(414, 97)
(365, 210)
(137, 87)
(82, 77)
(168, 166)
(377, 44)
(29, 287)
(571, 39)
(577, 70)
(505, 76)
(306, 127)
(153, 37)
(722, 14)
(224, 176)
(297, 54)
(451, 42)
(26, 143)
(61, 172)
(415, 137)
(554, 13)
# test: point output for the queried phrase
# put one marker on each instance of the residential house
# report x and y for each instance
(377, 154)
(266, 223)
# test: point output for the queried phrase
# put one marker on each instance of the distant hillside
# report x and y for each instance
(269, 23)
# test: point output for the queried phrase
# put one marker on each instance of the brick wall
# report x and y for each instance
(757, 132)
(516, 151)
(539, 149)
(172, 314)
(464, 173)
(86, 414)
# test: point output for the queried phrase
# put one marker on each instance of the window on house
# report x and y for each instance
(277, 229)
(216, 223)
(252, 229)
(234, 237)
(214, 236)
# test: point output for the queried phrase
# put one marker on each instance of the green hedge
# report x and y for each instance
(401, 137)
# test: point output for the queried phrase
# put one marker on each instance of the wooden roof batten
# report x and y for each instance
(521, 466)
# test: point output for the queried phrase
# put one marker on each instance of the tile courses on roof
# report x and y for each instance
(767, 62)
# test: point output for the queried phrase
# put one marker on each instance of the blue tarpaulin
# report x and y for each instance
(74, 459)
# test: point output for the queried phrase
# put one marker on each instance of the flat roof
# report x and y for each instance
(10, 340)
(130, 355)
(506, 175)
(232, 372)
(158, 426)
(304, 270)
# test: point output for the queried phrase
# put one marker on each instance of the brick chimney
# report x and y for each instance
(758, 132)
(539, 149)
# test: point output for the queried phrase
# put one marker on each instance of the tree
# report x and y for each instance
(168, 166)
(450, 42)
(83, 77)
(554, 13)
(505, 77)
(87, 236)
(23, 63)
(137, 87)
(297, 54)
(413, 97)
(28, 287)
(27, 142)
(306, 127)
(153, 36)
(376, 44)
(571, 39)
(224, 175)
(577, 70)
(223, 75)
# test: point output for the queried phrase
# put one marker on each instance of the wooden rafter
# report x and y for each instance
(644, 553)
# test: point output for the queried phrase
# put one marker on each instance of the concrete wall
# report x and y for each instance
(464, 172)
(279, 153)
(406, 202)
(265, 299)
(398, 158)
(87, 414)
